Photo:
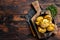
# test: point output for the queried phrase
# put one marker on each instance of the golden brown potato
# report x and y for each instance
(44, 23)
(39, 19)
(51, 27)
(41, 30)
(48, 17)
(38, 23)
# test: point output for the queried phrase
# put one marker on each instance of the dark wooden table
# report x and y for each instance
(21, 30)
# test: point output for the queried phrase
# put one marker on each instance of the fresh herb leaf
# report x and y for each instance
(53, 10)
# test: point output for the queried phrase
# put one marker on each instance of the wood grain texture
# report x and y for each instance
(20, 30)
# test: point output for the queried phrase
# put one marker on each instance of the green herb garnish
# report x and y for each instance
(53, 10)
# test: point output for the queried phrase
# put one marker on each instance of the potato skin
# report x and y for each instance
(39, 19)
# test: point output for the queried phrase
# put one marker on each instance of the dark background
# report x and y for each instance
(20, 30)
